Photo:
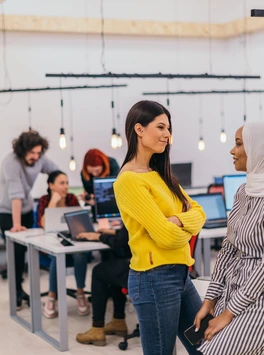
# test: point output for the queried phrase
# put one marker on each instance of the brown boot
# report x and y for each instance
(93, 336)
(117, 327)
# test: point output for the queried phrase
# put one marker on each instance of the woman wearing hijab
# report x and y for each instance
(236, 292)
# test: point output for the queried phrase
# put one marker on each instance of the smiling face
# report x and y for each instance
(155, 136)
(60, 185)
(238, 152)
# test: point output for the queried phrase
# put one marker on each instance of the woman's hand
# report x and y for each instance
(55, 197)
(89, 236)
(207, 307)
(107, 231)
(83, 196)
(218, 323)
(176, 221)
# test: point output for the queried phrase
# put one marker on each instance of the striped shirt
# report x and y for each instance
(238, 280)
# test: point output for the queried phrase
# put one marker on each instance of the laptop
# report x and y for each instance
(78, 222)
(55, 220)
(214, 208)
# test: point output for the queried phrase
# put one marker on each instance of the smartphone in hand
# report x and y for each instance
(195, 337)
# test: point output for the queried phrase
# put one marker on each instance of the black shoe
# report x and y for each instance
(22, 296)
(26, 297)
(19, 298)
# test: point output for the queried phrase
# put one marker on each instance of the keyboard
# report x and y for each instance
(215, 225)
(67, 235)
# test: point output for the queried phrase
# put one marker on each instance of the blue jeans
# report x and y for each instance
(80, 266)
(166, 303)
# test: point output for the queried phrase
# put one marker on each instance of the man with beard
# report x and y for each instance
(19, 171)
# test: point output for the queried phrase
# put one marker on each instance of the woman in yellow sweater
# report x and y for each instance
(161, 219)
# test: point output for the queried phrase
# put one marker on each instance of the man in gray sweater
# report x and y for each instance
(19, 171)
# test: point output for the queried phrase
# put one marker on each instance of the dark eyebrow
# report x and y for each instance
(163, 124)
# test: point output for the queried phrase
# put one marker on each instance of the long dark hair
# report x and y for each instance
(144, 112)
(27, 141)
(52, 177)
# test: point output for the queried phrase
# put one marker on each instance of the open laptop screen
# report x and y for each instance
(213, 205)
(106, 206)
(79, 222)
(231, 184)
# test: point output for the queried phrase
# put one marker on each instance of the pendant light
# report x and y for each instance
(72, 164)
(222, 114)
(62, 140)
(29, 112)
(114, 137)
(201, 143)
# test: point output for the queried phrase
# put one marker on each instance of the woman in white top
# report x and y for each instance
(236, 292)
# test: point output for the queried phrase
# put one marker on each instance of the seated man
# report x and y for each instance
(108, 278)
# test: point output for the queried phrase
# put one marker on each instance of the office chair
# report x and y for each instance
(213, 188)
(193, 274)
(136, 333)
(193, 243)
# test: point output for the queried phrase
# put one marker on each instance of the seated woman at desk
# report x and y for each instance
(108, 278)
(58, 196)
(236, 292)
(96, 164)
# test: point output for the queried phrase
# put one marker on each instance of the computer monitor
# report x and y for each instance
(231, 184)
(106, 206)
(183, 171)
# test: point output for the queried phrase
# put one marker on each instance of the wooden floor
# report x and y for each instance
(15, 340)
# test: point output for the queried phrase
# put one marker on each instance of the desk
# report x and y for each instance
(20, 238)
(203, 249)
(37, 241)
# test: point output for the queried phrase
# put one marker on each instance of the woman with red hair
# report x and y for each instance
(96, 164)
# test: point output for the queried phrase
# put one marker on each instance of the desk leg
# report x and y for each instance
(12, 286)
(62, 301)
(198, 257)
(35, 301)
(207, 256)
(11, 276)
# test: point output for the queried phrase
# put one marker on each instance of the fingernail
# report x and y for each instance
(196, 330)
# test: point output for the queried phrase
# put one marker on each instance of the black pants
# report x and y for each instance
(6, 223)
(108, 279)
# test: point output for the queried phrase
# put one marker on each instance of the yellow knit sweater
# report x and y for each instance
(145, 202)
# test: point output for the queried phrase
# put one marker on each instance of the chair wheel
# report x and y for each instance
(123, 345)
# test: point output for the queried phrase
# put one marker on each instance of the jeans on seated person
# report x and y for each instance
(166, 303)
(80, 267)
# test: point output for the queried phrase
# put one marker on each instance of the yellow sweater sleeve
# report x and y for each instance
(192, 220)
(134, 199)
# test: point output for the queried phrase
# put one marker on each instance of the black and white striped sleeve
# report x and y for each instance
(217, 283)
(250, 291)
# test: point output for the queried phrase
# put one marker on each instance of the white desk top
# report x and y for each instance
(25, 236)
(212, 233)
(50, 243)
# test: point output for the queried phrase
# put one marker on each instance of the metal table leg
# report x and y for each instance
(62, 344)
(12, 286)
(207, 256)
